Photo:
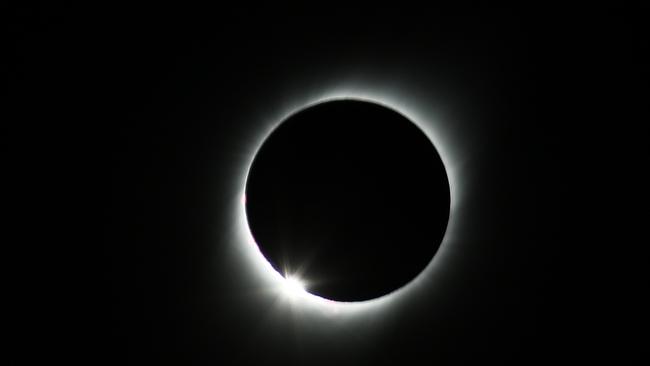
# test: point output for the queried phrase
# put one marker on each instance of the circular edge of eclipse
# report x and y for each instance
(286, 285)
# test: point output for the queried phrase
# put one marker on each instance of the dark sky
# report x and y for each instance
(541, 107)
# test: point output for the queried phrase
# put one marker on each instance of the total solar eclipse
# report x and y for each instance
(349, 195)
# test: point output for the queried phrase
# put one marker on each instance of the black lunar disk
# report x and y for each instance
(350, 196)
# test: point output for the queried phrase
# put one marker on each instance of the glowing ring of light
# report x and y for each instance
(275, 281)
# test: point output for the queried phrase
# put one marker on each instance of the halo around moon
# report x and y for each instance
(286, 288)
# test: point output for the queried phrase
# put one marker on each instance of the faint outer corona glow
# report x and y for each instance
(293, 288)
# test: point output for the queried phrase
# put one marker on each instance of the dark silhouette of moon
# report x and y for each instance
(350, 196)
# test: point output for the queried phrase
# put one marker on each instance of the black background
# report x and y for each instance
(159, 100)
